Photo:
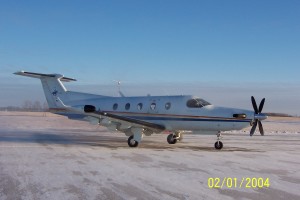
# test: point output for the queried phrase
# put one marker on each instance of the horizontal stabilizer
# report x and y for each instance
(39, 75)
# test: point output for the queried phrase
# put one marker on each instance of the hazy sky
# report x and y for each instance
(223, 51)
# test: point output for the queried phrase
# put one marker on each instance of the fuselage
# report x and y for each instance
(183, 112)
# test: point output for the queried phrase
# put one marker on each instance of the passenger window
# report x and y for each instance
(168, 106)
(153, 106)
(115, 106)
(140, 106)
(127, 106)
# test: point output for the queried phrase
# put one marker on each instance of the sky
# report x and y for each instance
(223, 51)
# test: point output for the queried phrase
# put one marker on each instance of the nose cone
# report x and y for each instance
(260, 116)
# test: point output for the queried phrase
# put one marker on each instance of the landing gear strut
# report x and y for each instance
(218, 144)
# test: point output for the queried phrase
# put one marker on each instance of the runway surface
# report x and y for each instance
(51, 157)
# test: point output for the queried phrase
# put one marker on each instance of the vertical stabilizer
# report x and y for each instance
(52, 85)
(53, 88)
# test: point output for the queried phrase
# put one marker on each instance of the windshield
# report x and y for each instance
(197, 103)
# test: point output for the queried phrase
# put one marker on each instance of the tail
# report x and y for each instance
(53, 88)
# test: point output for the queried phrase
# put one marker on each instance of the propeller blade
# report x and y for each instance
(261, 130)
(261, 105)
(253, 128)
(254, 105)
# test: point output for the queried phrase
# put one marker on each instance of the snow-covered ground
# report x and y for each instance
(45, 156)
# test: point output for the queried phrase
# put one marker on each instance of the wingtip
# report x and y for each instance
(19, 72)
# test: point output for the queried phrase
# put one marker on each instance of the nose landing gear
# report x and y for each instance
(219, 144)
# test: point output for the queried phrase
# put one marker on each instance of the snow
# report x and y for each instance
(51, 157)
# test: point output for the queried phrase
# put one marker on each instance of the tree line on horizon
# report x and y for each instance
(28, 106)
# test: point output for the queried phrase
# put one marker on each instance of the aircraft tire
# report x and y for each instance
(132, 142)
(219, 145)
(171, 139)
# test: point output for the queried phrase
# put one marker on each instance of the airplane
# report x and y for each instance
(147, 115)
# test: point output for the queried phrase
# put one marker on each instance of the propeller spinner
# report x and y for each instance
(258, 116)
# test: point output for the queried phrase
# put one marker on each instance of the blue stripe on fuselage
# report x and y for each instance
(150, 118)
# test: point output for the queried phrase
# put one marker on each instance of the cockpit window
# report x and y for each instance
(197, 103)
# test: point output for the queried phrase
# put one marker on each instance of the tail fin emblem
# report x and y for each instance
(54, 93)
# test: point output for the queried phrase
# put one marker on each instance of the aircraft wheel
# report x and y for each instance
(132, 142)
(218, 145)
(171, 139)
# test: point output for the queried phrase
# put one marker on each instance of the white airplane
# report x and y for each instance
(139, 116)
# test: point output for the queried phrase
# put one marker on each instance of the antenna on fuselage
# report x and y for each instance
(119, 88)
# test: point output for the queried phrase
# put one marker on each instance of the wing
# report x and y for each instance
(116, 122)
(126, 125)
(131, 120)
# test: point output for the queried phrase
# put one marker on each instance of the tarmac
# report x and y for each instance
(46, 156)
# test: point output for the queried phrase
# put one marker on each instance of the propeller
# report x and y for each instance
(258, 116)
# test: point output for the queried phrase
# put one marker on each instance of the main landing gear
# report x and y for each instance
(218, 144)
(132, 142)
(136, 138)
(174, 137)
